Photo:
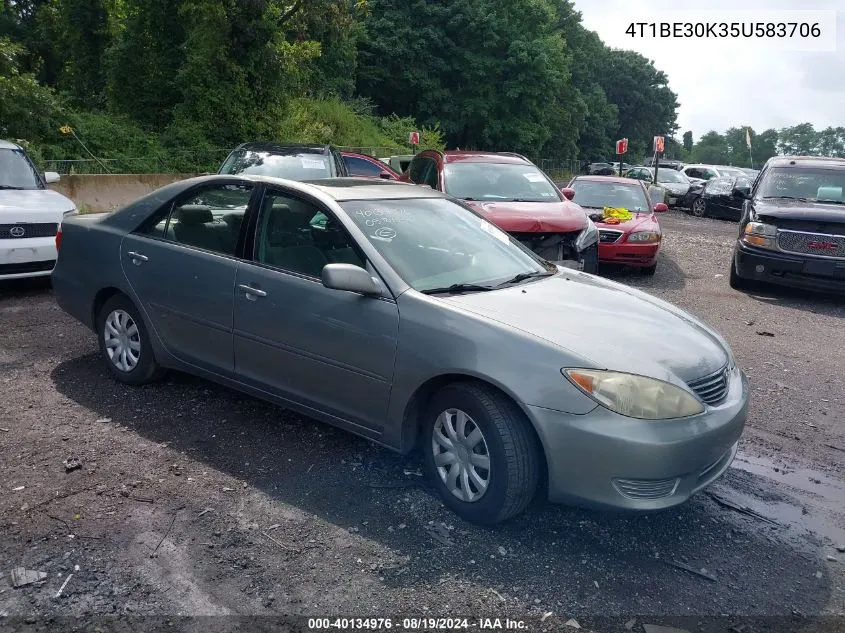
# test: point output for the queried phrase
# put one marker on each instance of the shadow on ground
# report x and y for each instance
(593, 563)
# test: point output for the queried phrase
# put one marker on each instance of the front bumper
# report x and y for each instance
(796, 271)
(628, 253)
(27, 257)
(603, 459)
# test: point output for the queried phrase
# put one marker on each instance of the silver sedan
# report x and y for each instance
(400, 314)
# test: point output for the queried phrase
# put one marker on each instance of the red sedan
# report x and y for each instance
(634, 239)
(363, 166)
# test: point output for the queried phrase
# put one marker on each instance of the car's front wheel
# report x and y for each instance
(124, 342)
(699, 207)
(739, 283)
(590, 259)
(480, 452)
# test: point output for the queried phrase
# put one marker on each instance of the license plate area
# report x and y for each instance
(819, 267)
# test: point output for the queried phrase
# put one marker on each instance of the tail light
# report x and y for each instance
(59, 237)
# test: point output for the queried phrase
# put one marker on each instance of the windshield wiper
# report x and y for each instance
(11, 187)
(786, 198)
(457, 288)
(523, 276)
(831, 201)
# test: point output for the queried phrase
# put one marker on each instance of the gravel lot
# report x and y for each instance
(195, 500)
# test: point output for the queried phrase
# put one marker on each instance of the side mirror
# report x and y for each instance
(661, 207)
(386, 175)
(568, 193)
(350, 278)
(51, 176)
(743, 192)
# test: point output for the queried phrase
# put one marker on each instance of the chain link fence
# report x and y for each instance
(210, 160)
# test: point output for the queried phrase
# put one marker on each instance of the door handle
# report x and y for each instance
(249, 290)
(137, 257)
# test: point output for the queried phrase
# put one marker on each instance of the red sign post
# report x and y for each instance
(621, 148)
(414, 138)
(658, 144)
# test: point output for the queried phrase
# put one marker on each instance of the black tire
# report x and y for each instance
(648, 271)
(739, 283)
(699, 207)
(591, 260)
(511, 445)
(146, 369)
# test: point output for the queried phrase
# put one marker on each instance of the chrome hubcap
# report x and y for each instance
(461, 455)
(123, 340)
(698, 207)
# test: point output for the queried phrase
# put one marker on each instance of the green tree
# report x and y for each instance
(687, 141)
(711, 148)
(831, 142)
(647, 106)
(492, 72)
(764, 146)
(800, 140)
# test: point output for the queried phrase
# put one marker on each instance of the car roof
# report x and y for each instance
(806, 161)
(613, 179)
(9, 145)
(284, 148)
(342, 189)
(510, 158)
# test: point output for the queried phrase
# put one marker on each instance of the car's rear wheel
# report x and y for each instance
(125, 344)
(699, 207)
(480, 453)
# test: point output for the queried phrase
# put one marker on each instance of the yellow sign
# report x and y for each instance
(66, 129)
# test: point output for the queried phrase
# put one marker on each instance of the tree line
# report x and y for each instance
(135, 76)
(731, 148)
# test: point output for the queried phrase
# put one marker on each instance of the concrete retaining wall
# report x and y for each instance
(94, 193)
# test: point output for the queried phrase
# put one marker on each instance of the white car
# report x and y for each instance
(30, 215)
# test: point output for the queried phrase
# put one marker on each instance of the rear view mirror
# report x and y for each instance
(661, 207)
(386, 175)
(350, 278)
(51, 176)
(568, 193)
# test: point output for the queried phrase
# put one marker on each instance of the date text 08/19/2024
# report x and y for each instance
(416, 624)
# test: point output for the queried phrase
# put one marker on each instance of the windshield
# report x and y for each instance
(811, 183)
(498, 181)
(670, 175)
(597, 195)
(299, 166)
(436, 243)
(16, 172)
(731, 172)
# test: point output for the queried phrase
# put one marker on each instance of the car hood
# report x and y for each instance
(639, 221)
(606, 324)
(798, 210)
(32, 205)
(533, 217)
(675, 187)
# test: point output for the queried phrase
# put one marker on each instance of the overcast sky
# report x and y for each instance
(724, 83)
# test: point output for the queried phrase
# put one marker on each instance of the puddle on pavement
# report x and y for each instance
(808, 501)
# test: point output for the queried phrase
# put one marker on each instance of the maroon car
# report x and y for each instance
(363, 166)
(517, 197)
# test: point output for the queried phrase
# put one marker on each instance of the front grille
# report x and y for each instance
(607, 236)
(819, 244)
(23, 230)
(28, 267)
(646, 488)
(713, 388)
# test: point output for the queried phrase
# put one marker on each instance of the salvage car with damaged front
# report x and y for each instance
(792, 230)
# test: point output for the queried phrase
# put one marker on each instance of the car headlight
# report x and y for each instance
(635, 396)
(587, 237)
(644, 236)
(760, 234)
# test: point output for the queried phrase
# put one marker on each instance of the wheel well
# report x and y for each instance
(99, 301)
(412, 420)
